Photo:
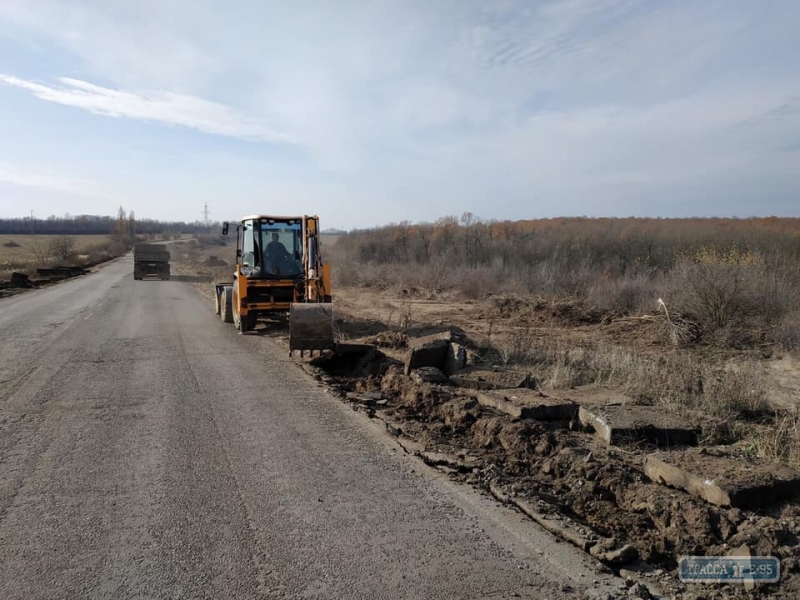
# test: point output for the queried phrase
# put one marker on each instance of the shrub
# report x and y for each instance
(787, 334)
(62, 248)
(628, 294)
(716, 275)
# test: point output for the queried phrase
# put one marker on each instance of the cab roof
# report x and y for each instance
(276, 218)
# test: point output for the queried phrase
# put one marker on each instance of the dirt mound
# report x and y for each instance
(576, 312)
(213, 261)
(420, 401)
(575, 476)
(459, 414)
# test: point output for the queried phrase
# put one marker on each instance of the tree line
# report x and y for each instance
(618, 244)
(98, 225)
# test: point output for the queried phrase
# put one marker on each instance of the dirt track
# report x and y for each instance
(147, 450)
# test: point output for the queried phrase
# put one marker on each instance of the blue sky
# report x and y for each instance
(368, 112)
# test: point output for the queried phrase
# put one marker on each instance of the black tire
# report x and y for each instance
(241, 322)
(247, 322)
(226, 304)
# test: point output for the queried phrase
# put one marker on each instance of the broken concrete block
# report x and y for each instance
(428, 375)
(744, 551)
(477, 378)
(417, 342)
(428, 351)
(556, 525)
(618, 424)
(528, 404)
(621, 556)
(592, 395)
(456, 358)
(20, 280)
(724, 479)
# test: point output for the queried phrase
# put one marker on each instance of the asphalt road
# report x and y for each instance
(149, 451)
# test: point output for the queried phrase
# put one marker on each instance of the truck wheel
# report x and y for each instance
(226, 304)
(216, 302)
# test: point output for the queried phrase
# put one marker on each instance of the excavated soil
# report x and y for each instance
(573, 475)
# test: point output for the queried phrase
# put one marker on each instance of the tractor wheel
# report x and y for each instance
(217, 309)
(247, 322)
(226, 304)
(241, 322)
(237, 321)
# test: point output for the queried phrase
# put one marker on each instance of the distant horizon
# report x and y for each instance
(476, 218)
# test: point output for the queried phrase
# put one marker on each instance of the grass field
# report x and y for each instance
(26, 252)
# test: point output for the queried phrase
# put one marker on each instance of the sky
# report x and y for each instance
(368, 112)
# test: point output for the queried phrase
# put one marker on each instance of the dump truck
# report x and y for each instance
(150, 260)
(279, 270)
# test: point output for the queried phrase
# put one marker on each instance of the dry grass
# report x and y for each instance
(715, 275)
(26, 252)
(727, 400)
(777, 439)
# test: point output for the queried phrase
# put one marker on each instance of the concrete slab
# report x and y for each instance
(623, 423)
(428, 351)
(432, 354)
(724, 479)
(591, 395)
(528, 404)
(477, 378)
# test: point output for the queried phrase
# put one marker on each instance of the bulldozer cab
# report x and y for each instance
(271, 247)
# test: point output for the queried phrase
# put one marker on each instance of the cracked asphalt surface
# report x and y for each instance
(149, 451)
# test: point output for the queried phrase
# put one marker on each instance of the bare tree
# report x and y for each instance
(62, 247)
(42, 252)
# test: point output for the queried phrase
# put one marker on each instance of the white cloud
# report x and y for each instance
(26, 177)
(164, 107)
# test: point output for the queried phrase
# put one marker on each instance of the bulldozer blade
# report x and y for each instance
(310, 327)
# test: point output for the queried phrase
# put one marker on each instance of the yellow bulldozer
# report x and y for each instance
(279, 270)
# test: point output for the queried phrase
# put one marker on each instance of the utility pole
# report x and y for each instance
(205, 214)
